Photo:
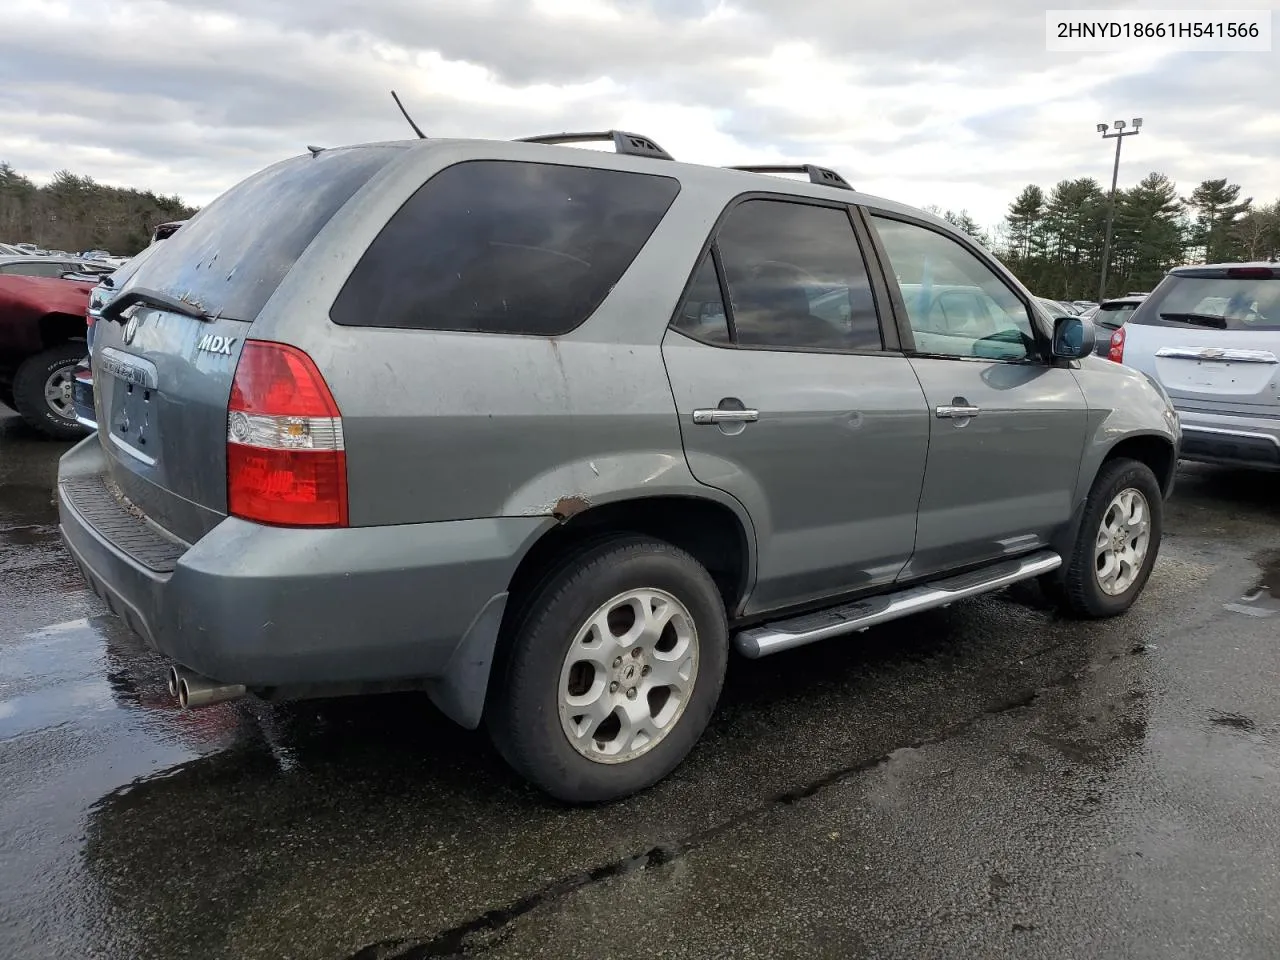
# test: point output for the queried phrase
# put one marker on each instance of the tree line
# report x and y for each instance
(75, 213)
(1053, 241)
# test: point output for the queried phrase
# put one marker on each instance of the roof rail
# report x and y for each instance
(822, 175)
(629, 143)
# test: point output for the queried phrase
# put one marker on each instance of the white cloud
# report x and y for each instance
(926, 101)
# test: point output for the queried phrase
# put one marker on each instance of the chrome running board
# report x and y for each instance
(863, 614)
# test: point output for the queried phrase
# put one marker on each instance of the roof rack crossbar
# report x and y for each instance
(823, 175)
(632, 144)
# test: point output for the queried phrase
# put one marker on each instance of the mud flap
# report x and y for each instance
(460, 692)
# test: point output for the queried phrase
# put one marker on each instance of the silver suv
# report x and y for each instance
(1211, 336)
(548, 432)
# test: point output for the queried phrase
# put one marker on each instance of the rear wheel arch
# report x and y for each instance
(713, 533)
(56, 328)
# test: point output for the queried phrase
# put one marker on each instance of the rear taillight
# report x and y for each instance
(1116, 350)
(286, 463)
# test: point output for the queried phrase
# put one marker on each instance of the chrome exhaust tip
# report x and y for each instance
(193, 691)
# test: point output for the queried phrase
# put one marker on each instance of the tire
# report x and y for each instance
(538, 685)
(1078, 588)
(29, 391)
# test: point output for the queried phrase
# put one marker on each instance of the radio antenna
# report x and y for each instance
(421, 135)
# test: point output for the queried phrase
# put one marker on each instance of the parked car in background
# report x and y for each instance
(42, 338)
(166, 230)
(25, 265)
(879, 422)
(1210, 335)
(11, 250)
(1111, 315)
(1058, 308)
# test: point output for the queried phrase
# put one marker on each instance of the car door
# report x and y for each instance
(792, 399)
(1007, 424)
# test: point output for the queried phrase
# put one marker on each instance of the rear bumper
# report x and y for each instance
(1244, 441)
(282, 608)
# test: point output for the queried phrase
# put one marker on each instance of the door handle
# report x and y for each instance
(957, 412)
(725, 416)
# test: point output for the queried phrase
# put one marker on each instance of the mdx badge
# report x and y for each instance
(214, 344)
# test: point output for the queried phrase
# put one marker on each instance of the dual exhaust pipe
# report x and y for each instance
(192, 690)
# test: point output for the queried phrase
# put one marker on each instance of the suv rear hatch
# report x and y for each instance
(166, 351)
(1211, 337)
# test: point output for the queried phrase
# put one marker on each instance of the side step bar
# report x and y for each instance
(862, 614)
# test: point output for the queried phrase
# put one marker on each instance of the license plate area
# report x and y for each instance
(1208, 373)
(133, 424)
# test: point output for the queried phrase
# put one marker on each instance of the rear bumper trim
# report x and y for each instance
(278, 608)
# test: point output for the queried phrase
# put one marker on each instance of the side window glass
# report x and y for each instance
(957, 306)
(796, 278)
(702, 314)
(498, 246)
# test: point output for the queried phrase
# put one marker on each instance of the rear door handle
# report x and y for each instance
(957, 411)
(725, 416)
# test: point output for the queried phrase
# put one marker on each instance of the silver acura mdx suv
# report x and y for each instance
(547, 432)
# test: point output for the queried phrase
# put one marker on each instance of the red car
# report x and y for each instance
(42, 339)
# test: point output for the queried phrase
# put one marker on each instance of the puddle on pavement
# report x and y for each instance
(1264, 599)
(27, 536)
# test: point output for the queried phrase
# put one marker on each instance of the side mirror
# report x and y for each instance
(1073, 338)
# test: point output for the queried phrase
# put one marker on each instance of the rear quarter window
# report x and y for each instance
(499, 246)
(232, 255)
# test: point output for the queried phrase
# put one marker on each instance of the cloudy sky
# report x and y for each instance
(953, 102)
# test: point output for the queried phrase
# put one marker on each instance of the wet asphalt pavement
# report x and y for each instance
(981, 781)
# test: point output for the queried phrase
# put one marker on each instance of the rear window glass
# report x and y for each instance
(1115, 314)
(1222, 303)
(499, 246)
(232, 255)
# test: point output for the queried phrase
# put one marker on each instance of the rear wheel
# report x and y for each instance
(613, 671)
(1117, 545)
(42, 391)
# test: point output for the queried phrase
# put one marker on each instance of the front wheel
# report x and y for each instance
(613, 672)
(1117, 545)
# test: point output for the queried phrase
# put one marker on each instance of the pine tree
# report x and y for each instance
(1148, 232)
(1218, 209)
(1025, 220)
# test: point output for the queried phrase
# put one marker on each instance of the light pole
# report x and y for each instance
(1118, 136)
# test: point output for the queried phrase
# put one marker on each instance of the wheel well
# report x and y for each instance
(56, 328)
(1155, 452)
(710, 532)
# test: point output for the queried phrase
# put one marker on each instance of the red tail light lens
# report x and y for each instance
(286, 461)
(1116, 350)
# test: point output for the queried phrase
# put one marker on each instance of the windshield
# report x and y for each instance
(231, 256)
(1224, 303)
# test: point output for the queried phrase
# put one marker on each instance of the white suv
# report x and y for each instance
(1210, 335)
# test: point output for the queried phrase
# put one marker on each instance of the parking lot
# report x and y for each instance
(985, 780)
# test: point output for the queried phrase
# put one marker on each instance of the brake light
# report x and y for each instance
(1116, 350)
(1249, 273)
(286, 461)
